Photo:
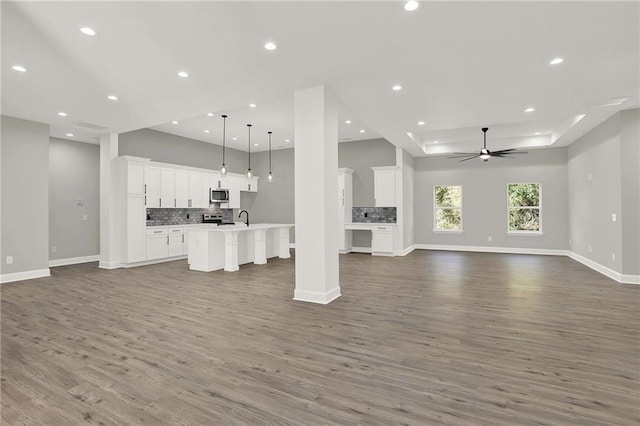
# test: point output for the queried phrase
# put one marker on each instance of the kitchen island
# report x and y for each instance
(213, 247)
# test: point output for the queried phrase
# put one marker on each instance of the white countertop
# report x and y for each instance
(368, 226)
(252, 227)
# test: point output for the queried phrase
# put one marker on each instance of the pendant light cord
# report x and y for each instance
(269, 152)
(249, 127)
(224, 133)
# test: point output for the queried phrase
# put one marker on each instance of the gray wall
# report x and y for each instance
(74, 174)
(611, 154)
(630, 152)
(273, 203)
(484, 198)
(25, 195)
(592, 202)
(361, 156)
(168, 148)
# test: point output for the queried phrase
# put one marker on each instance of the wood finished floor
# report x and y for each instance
(431, 338)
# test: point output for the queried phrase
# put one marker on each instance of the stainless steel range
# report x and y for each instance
(217, 219)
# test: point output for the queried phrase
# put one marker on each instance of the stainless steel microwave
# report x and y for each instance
(217, 195)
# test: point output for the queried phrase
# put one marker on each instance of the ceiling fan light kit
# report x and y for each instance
(484, 153)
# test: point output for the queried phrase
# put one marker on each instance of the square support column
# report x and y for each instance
(109, 258)
(316, 203)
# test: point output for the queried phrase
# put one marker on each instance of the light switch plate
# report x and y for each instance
(9, 260)
(613, 217)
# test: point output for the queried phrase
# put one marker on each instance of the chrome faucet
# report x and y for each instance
(244, 211)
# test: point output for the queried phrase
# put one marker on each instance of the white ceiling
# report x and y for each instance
(462, 65)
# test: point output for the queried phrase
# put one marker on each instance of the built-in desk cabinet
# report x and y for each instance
(384, 186)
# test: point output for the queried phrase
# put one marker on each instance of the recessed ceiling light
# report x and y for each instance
(421, 123)
(252, 105)
(530, 109)
(436, 142)
(411, 5)
(209, 114)
(112, 97)
(270, 46)
(183, 74)
(62, 114)
(556, 61)
(70, 135)
(287, 140)
(88, 31)
(397, 87)
(207, 131)
(348, 122)
(174, 122)
(361, 130)
(235, 139)
(19, 68)
(256, 144)
(537, 133)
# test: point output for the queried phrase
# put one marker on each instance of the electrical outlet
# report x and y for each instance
(590, 249)
(589, 176)
(613, 217)
(569, 243)
(9, 260)
(85, 217)
(613, 257)
(489, 238)
(54, 249)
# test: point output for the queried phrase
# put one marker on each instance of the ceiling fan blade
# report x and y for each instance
(470, 158)
(504, 150)
(509, 151)
(460, 156)
(502, 156)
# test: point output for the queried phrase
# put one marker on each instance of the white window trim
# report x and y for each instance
(539, 207)
(435, 207)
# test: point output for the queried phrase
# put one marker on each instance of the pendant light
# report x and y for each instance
(249, 172)
(270, 177)
(223, 168)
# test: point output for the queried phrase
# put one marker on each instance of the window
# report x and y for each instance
(524, 207)
(447, 208)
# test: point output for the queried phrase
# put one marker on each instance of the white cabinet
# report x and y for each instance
(182, 188)
(176, 242)
(135, 178)
(168, 188)
(135, 229)
(157, 244)
(195, 190)
(382, 240)
(345, 206)
(185, 241)
(206, 179)
(384, 184)
(152, 186)
(233, 184)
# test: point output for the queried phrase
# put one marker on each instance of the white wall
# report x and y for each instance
(25, 197)
(630, 170)
(484, 198)
(74, 172)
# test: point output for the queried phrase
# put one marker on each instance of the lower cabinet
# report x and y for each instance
(176, 245)
(157, 244)
(382, 240)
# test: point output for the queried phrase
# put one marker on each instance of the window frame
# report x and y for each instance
(436, 208)
(538, 207)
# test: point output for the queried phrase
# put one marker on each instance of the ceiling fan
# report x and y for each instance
(484, 153)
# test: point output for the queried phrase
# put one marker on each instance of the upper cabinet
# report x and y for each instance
(152, 186)
(169, 186)
(384, 184)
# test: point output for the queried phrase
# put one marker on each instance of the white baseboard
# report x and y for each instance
(317, 297)
(361, 249)
(73, 260)
(616, 276)
(630, 279)
(406, 251)
(484, 249)
(152, 262)
(26, 275)
(109, 265)
(292, 245)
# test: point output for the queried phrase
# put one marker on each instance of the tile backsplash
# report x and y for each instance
(160, 217)
(373, 215)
